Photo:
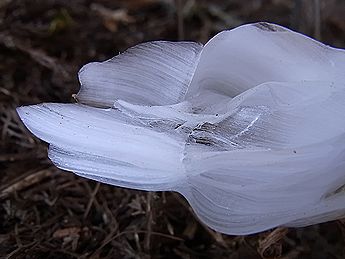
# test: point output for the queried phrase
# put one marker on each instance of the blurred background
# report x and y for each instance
(47, 213)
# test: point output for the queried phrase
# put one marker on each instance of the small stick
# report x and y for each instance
(23, 183)
(317, 19)
(147, 241)
(180, 22)
(92, 198)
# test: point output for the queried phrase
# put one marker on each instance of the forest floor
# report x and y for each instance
(48, 213)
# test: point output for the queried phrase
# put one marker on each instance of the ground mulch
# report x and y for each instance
(48, 213)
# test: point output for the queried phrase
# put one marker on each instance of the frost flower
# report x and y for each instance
(250, 128)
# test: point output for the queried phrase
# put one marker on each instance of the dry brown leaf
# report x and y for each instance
(112, 18)
(271, 245)
(67, 232)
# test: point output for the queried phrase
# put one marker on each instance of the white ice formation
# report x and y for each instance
(250, 128)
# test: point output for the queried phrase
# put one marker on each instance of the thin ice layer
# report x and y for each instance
(257, 142)
(236, 60)
(244, 192)
(106, 144)
(277, 158)
(278, 116)
(152, 73)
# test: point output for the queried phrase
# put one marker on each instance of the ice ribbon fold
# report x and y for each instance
(250, 128)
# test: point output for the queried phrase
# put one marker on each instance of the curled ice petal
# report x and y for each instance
(250, 128)
(272, 189)
(151, 73)
(106, 143)
(237, 60)
(269, 161)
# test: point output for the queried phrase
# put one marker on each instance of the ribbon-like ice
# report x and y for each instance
(250, 128)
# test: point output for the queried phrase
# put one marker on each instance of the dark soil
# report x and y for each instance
(48, 213)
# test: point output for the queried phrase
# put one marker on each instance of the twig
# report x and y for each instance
(147, 241)
(112, 237)
(11, 157)
(87, 186)
(13, 253)
(180, 22)
(92, 198)
(152, 233)
(18, 241)
(317, 19)
(38, 56)
(23, 183)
